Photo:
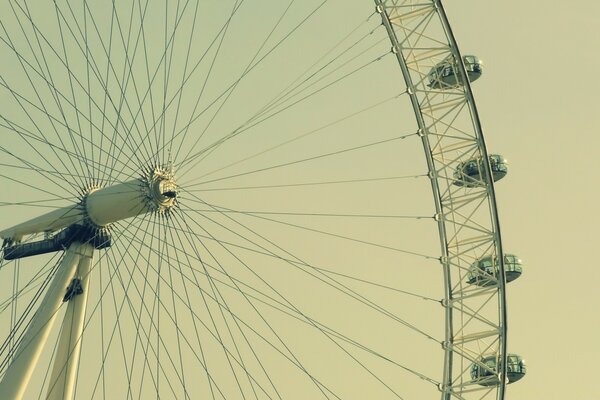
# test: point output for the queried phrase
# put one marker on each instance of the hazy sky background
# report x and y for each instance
(540, 107)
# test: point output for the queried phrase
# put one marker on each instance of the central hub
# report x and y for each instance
(161, 189)
(155, 191)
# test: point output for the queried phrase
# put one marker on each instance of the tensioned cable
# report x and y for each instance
(167, 72)
(36, 187)
(279, 102)
(87, 70)
(180, 90)
(307, 159)
(123, 99)
(102, 176)
(139, 328)
(147, 91)
(422, 376)
(47, 277)
(361, 298)
(234, 87)
(216, 294)
(279, 98)
(35, 150)
(237, 361)
(159, 301)
(188, 265)
(46, 282)
(43, 139)
(306, 214)
(126, 77)
(251, 66)
(25, 133)
(18, 340)
(334, 235)
(409, 325)
(210, 148)
(117, 266)
(76, 80)
(188, 303)
(287, 260)
(149, 152)
(203, 361)
(301, 184)
(297, 310)
(154, 152)
(28, 287)
(66, 60)
(30, 168)
(318, 384)
(222, 35)
(196, 283)
(298, 137)
(50, 83)
(185, 67)
(146, 366)
(269, 254)
(116, 327)
(155, 319)
(214, 291)
(174, 265)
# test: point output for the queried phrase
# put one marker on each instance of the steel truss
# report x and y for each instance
(467, 217)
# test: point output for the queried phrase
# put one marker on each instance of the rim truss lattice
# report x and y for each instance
(467, 216)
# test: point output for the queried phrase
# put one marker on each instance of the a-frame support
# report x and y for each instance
(75, 265)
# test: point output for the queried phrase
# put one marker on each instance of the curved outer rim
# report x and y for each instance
(446, 387)
(492, 201)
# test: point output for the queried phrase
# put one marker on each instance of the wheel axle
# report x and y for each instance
(155, 192)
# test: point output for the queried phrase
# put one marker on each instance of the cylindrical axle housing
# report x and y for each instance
(114, 203)
(157, 191)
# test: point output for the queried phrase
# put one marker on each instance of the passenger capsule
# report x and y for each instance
(485, 371)
(484, 271)
(470, 173)
(445, 75)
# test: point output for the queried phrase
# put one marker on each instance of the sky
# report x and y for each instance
(539, 108)
(538, 103)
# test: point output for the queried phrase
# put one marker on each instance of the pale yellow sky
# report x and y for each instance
(538, 102)
(539, 106)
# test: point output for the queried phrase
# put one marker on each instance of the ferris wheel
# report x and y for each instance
(242, 200)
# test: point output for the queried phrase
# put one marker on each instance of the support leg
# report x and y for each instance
(66, 361)
(19, 372)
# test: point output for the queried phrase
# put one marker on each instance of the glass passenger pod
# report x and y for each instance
(485, 371)
(471, 173)
(445, 74)
(484, 271)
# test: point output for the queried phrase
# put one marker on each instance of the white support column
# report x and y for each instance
(66, 361)
(19, 372)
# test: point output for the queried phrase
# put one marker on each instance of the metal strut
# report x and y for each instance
(70, 280)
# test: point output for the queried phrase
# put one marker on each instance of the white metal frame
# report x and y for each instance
(100, 208)
(76, 263)
(467, 218)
